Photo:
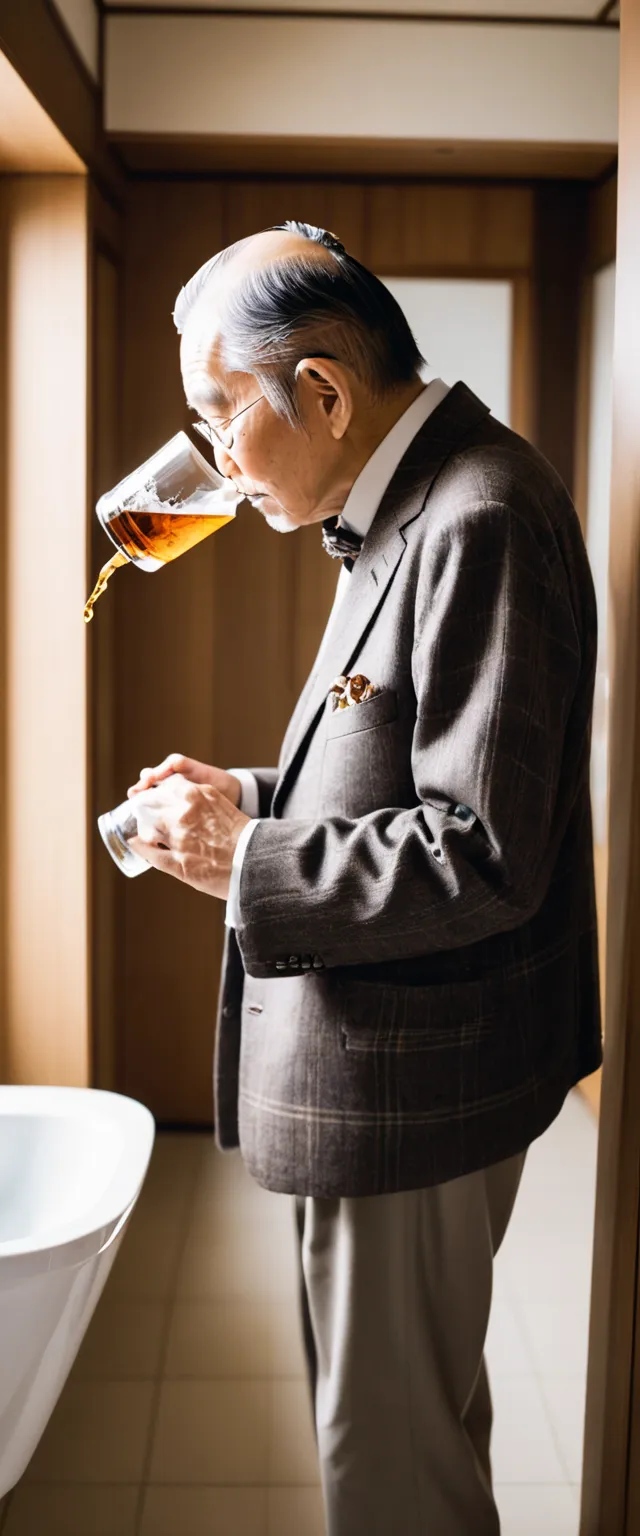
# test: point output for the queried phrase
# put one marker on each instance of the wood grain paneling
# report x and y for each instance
(104, 877)
(559, 267)
(339, 206)
(164, 651)
(29, 140)
(274, 155)
(611, 1469)
(522, 362)
(105, 218)
(422, 229)
(603, 211)
(37, 43)
(44, 845)
(5, 206)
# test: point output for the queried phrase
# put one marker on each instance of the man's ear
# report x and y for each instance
(328, 386)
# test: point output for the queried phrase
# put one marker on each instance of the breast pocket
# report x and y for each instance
(367, 758)
(379, 710)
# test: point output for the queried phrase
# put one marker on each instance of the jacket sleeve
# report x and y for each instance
(266, 779)
(495, 664)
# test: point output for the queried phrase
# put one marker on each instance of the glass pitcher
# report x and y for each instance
(163, 508)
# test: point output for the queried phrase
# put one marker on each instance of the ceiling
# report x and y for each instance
(509, 10)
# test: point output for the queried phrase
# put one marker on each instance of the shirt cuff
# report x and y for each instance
(232, 912)
(249, 793)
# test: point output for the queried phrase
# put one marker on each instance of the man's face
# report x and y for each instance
(288, 473)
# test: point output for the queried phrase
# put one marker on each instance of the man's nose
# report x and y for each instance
(225, 462)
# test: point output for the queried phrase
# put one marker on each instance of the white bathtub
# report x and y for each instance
(72, 1163)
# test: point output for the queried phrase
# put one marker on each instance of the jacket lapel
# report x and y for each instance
(375, 568)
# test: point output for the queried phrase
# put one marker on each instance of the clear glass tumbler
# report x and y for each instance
(116, 827)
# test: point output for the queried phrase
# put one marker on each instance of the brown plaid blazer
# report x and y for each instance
(414, 985)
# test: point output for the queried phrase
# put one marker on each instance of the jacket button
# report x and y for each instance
(228, 1012)
(281, 965)
(294, 960)
(306, 962)
(318, 963)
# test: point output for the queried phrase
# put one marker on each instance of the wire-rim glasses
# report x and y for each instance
(222, 432)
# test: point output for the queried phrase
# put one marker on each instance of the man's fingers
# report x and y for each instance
(152, 826)
(176, 762)
(161, 859)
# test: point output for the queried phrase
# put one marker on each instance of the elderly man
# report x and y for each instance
(410, 980)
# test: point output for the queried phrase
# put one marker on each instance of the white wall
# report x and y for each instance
(598, 504)
(338, 78)
(463, 330)
(81, 20)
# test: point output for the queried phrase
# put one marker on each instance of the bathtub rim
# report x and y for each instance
(73, 1242)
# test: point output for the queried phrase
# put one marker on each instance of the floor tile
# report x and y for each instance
(123, 1341)
(287, 1358)
(295, 1512)
(211, 1432)
(237, 1337)
(176, 1163)
(255, 1263)
(293, 1457)
(224, 1338)
(536, 1510)
(72, 1511)
(506, 1346)
(523, 1448)
(147, 1263)
(97, 1434)
(226, 1193)
(205, 1512)
(557, 1333)
(565, 1400)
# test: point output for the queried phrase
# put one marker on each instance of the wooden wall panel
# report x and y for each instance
(523, 357)
(417, 229)
(164, 651)
(104, 877)
(34, 37)
(5, 207)
(559, 267)
(611, 1471)
(263, 154)
(603, 208)
(338, 206)
(44, 843)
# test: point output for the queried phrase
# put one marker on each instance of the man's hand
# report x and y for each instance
(189, 830)
(195, 772)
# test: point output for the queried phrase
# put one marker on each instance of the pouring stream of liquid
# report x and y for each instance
(107, 570)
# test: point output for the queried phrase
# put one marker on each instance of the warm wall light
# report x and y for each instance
(29, 140)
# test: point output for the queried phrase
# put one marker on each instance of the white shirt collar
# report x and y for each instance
(368, 490)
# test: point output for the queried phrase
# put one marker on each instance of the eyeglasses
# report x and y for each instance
(222, 431)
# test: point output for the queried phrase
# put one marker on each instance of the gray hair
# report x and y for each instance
(295, 307)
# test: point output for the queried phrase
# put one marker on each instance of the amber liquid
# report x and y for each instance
(159, 535)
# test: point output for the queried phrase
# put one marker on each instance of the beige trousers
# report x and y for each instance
(396, 1294)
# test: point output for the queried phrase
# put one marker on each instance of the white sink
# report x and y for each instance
(72, 1164)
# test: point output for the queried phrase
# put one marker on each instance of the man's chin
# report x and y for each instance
(281, 521)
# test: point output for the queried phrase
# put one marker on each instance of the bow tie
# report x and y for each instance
(340, 543)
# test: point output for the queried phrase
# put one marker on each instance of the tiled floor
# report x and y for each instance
(186, 1413)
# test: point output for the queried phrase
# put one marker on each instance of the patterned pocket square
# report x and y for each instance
(347, 691)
